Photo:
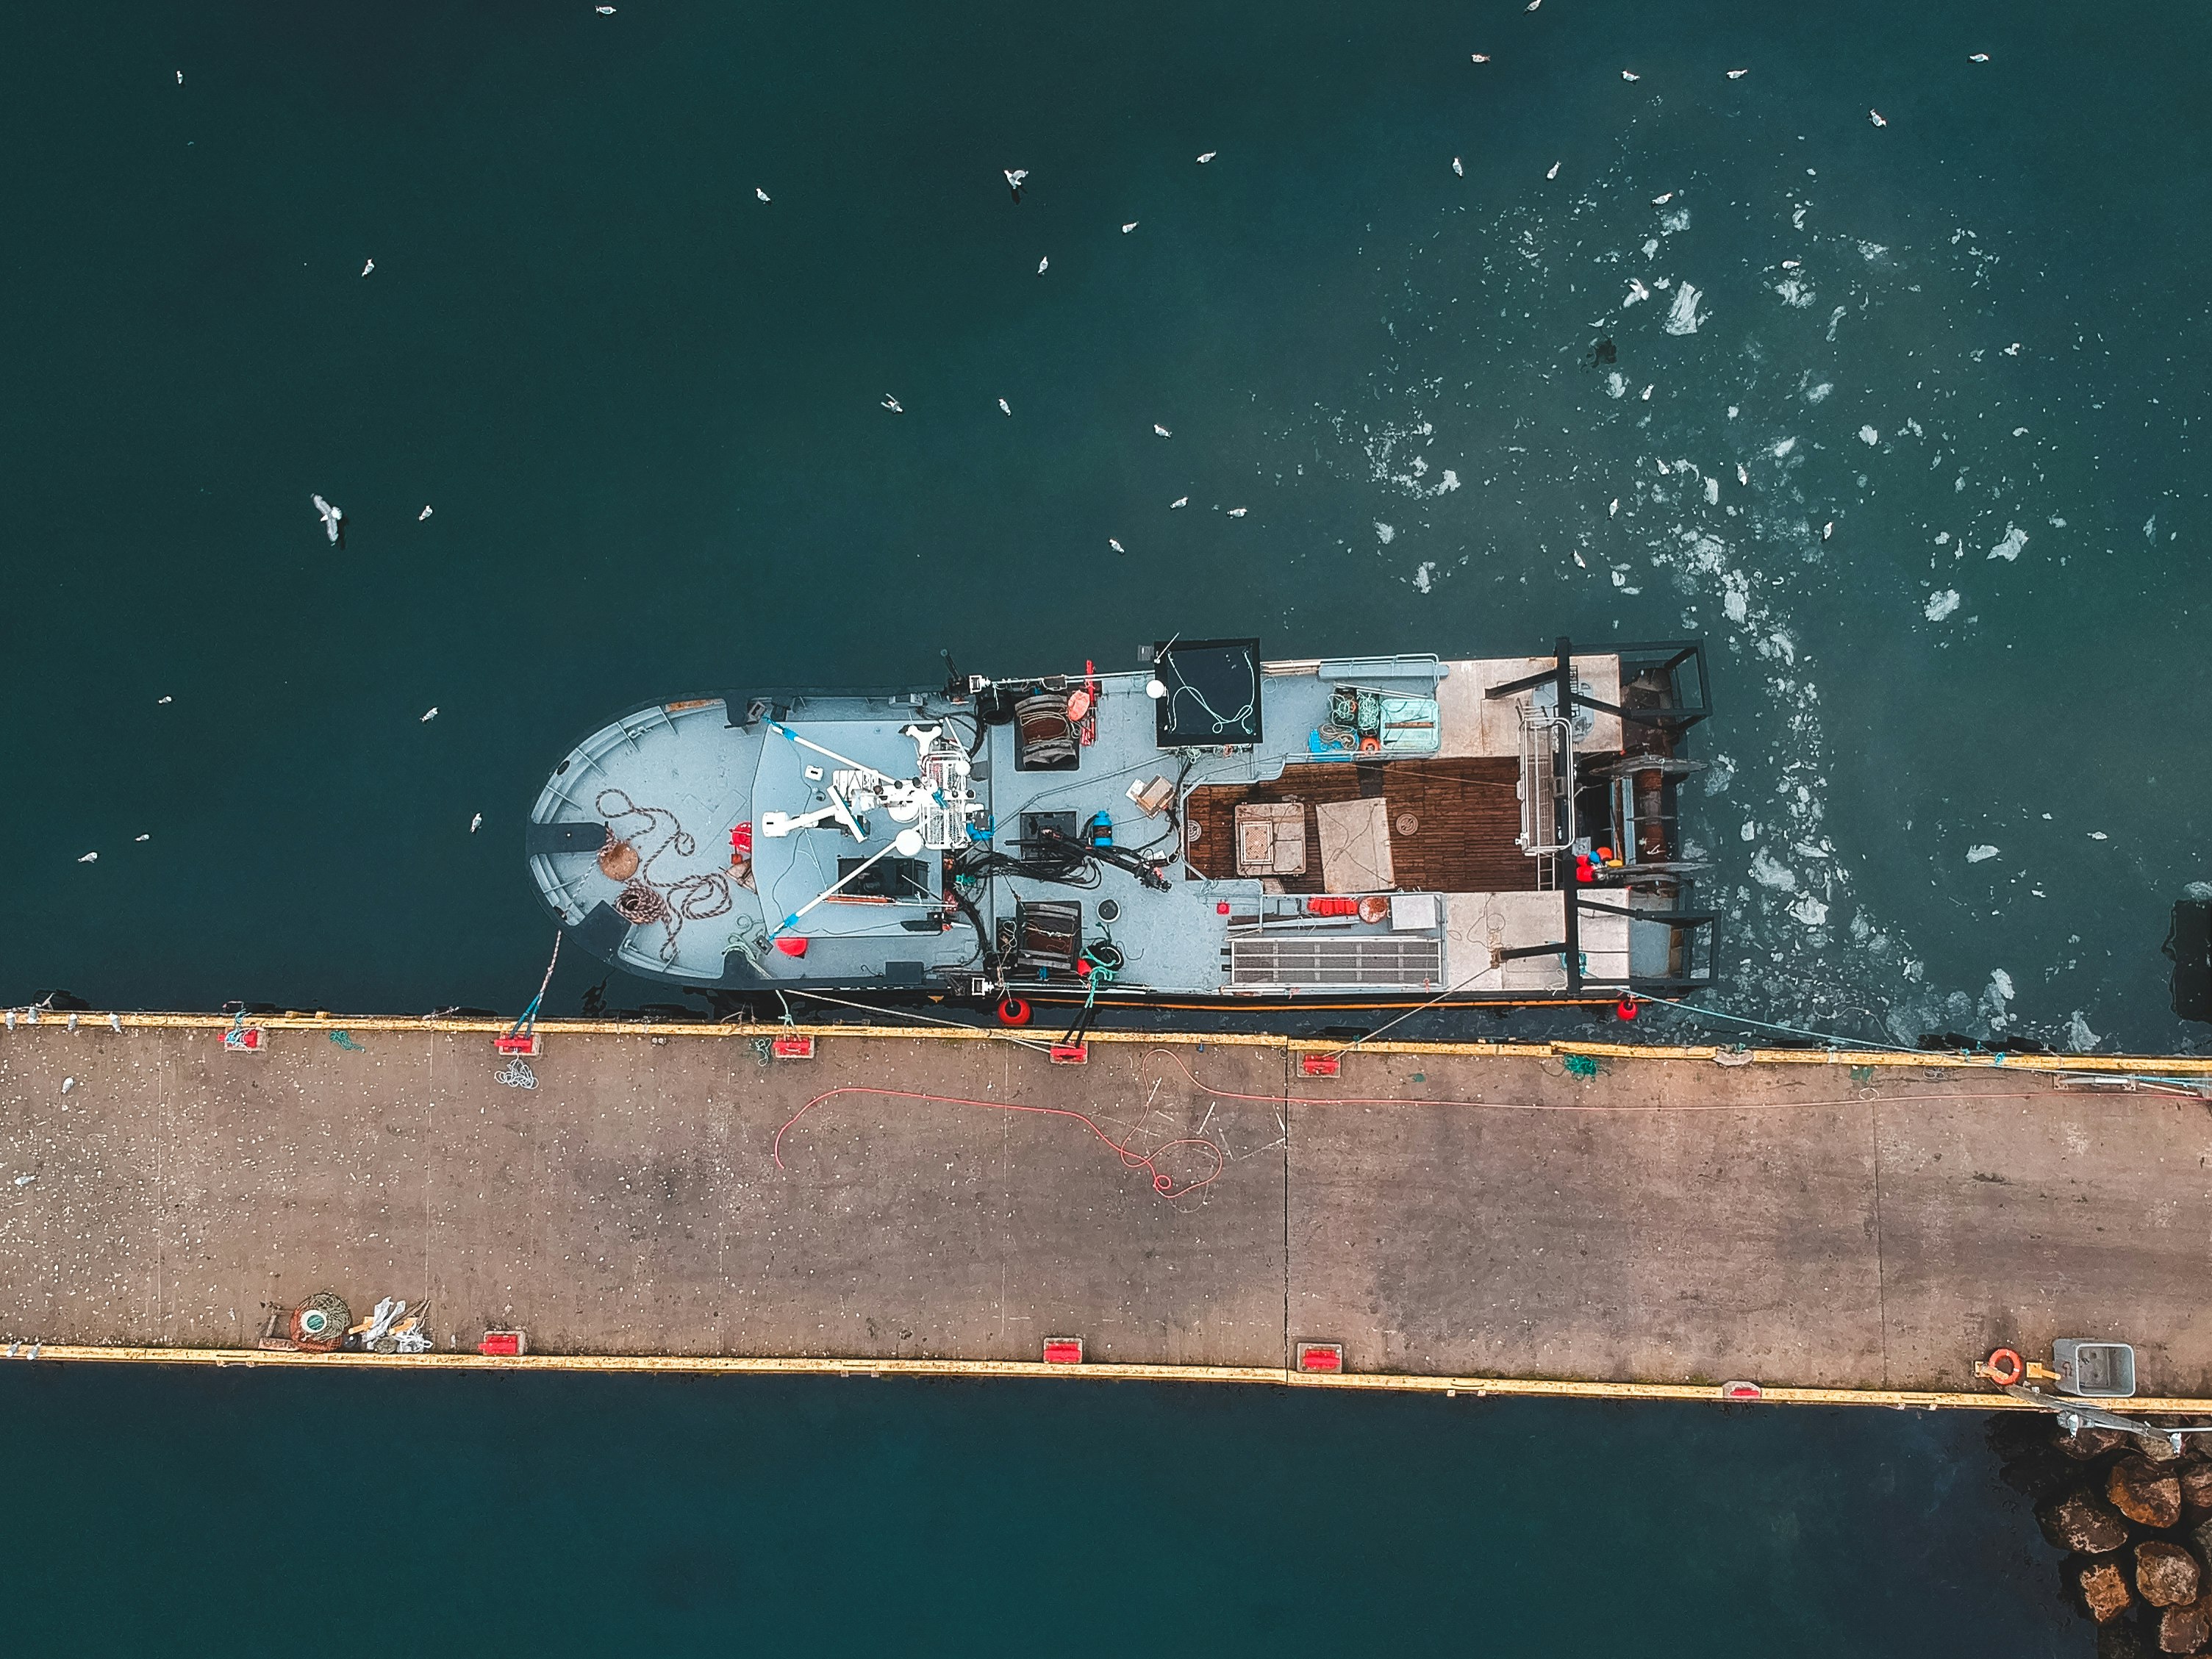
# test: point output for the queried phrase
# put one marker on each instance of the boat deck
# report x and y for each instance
(1464, 1213)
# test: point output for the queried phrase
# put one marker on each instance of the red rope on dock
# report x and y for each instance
(1163, 1183)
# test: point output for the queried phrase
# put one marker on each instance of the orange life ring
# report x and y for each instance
(1012, 1011)
(2006, 1367)
(1370, 745)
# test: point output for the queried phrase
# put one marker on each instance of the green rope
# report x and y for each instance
(344, 1040)
(1581, 1065)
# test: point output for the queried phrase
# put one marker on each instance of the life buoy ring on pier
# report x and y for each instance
(2006, 1367)
(1012, 1011)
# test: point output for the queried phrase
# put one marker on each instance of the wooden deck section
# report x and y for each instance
(1466, 809)
(928, 1197)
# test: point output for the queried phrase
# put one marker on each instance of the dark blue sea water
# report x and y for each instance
(351, 1514)
(1955, 597)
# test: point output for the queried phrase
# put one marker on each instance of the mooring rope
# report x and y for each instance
(643, 901)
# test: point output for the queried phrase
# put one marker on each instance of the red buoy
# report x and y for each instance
(1012, 1011)
(1625, 1008)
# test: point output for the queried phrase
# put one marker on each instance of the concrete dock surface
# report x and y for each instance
(1172, 1202)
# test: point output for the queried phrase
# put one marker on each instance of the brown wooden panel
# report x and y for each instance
(1468, 815)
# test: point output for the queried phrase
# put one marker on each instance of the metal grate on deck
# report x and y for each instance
(1394, 959)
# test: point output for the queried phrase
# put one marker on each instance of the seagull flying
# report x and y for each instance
(1827, 529)
(1636, 291)
(605, 11)
(1976, 57)
(1532, 5)
(432, 716)
(1877, 118)
(892, 404)
(1115, 546)
(180, 74)
(1458, 172)
(1737, 75)
(1630, 74)
(1127, 228)
(144, 838)
(1014, 177)
(1661, 201)
(367, 266)
(1238, 512)
(1208, 156)
(1162, 430)
(476, 824)
(333, 521)
(1480, 57)
(165, 700)
(424, 514)
(1005, 408)
(1791, 265)
(1554, 172)
(2013, 350)
(1044, 264)
(1742, 473)
(758, 191)
(1613, 512)
(1180, 501)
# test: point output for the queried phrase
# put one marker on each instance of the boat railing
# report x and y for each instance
(1548, 771)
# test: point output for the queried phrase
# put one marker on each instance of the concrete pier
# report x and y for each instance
(1442, 1213)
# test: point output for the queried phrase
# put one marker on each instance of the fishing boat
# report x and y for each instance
(1209, 828)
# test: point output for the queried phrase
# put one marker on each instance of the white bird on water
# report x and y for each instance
(144, 838)
(1014, 177)
(432, 716)
(1737, 75)
(893, 404)
(605, 11)
(1458, 172)
(1742, 473)
(1827, 529)
(1180, 501)
(160, 700)
(1131, 226)
(90, 858)
(333, 521)
(1877, 118)
(424, 514)
(1532, 5)
(1554, 171)
(1162, 430)
(367, 266)
(1005, 408)
(1044, 264)
(1115, 546)
(1480, 57)
(476, 824)
(758, 191)
(1238, 512)
(1613, 511)
(1630, 74)
(1661, 201)
(181, 77)
(1974, 58)
(1208, 156)
(1636, 291)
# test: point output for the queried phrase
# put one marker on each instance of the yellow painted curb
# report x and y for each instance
(1370, 1381)
(2172, 1065)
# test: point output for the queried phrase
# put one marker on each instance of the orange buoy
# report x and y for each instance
(1012, 1011)
(1078, 704)
(1370, 745)
(1626, 1008)
(2006, 1367)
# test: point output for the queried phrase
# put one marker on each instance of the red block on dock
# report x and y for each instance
(791, 1047)
(1063, 1351)
(517, 1043)
(1321, 1064)
(506, 1344)
(1742, 1391)
(1071, 1054)
(1321, 1356)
